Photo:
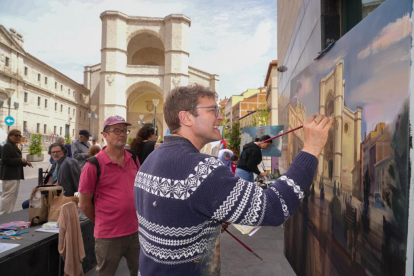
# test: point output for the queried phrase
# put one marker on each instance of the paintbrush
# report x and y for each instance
(277, 136)
(245, 246)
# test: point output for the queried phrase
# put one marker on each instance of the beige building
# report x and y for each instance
(230, 114)
(249, 104)
(43, 100)
(336, 163)
(143, 58)
(271, 84)
(247, 120)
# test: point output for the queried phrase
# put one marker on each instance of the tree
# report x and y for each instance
(234, 140)
(68, 141)
(225, 131)
(262, 116)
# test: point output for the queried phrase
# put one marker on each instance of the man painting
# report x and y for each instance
(182, 196)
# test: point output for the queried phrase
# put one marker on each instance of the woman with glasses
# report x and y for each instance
(144, 143)
(11, 171)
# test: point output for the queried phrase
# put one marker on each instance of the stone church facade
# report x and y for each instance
(143, 58)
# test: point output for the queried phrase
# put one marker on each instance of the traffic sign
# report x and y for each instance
(9, 120)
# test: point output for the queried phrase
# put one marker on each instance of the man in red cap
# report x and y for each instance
(108, 200)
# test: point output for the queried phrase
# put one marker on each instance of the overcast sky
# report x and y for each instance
(233, 39)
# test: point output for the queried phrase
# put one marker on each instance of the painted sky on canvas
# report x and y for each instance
(376, 59)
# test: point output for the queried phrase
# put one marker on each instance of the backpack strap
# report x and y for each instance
(134, 156)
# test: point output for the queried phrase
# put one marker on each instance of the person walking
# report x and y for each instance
(250, 157)
(108, 201)
(80, 147)
(144, 143)
(11, 171)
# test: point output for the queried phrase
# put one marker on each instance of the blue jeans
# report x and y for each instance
(246, 175)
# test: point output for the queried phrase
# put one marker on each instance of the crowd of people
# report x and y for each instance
(179, 197)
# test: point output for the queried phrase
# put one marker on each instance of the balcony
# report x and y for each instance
(145, 70)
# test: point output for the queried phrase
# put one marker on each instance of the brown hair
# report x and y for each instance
(144, 133)
(184, 98)
(94, 149)
(11, 133)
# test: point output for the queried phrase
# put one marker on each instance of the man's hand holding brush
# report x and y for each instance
(316, 130)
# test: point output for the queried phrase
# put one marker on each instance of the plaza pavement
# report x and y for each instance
(235, 259)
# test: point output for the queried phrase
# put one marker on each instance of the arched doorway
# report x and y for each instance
(141, 108)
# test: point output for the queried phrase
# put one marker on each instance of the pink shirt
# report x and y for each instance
(115, 214)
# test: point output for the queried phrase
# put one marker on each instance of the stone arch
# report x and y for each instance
(143, 85)
(145, 47)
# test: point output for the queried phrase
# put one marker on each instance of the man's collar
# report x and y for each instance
(178, 139)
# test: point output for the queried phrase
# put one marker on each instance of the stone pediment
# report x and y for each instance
(8, 40)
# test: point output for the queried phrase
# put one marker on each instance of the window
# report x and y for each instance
(44, 128)
(55, 84)
(68, 91)
(74, 94)
(25, 126)
(38, 101)
(61, 87)
(340, 16)
(45, 103)
(45, 80)
(6, 62)
(80, 96)
(73, 112)
(54, 129)
(38, 128)
(25, 97)
(60, 131)
(80, 114)
(61, 108)
(55, 106)
(25, 71)
(84, 116)
(38, 77)
(73, 132)
(69, 110)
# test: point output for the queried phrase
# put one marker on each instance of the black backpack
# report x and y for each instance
(94, 160)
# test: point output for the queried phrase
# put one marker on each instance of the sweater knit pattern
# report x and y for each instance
(182, 196)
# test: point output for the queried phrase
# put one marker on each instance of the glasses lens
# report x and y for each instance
(17, 135)
(56, 152)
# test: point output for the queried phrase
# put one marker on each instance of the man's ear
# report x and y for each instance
(185, 118)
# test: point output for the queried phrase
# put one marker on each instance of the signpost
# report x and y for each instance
(9, 120)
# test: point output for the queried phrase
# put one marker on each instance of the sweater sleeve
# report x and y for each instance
(225, 197)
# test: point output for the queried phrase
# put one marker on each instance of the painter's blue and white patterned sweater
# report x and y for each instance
(180, 194)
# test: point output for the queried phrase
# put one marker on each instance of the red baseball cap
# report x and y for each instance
(113, 120)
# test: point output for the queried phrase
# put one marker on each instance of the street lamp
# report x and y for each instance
(93, 108)
(155, 101)
(9, 92)
(141, 122)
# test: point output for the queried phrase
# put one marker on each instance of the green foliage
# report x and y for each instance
(234, 138)
(225, 131)
(68, 141)
(129, 140)
(36, 144)
(261, 117)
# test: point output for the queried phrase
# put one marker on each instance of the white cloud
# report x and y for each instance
(234, 39)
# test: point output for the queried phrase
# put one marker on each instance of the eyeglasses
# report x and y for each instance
(118, 131)
(17, 135)
(215, 107)
(56, 152)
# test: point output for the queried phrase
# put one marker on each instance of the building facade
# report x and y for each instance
(143, 58)
(42, 99)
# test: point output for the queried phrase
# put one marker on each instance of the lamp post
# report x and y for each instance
(93, 108)
(141, 122)
(155, 101)
(9, 92)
